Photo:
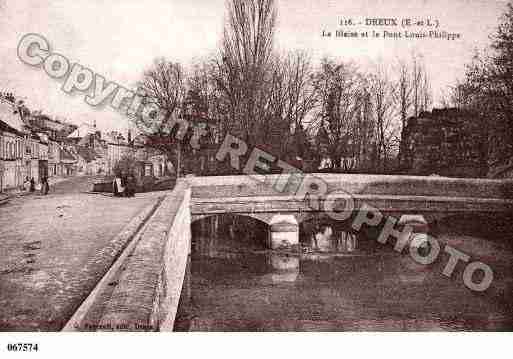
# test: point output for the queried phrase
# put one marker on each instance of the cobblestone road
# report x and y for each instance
(50, 251)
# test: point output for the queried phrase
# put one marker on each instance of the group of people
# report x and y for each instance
(30, 185)
(124, 186)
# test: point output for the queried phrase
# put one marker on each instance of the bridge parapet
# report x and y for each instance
(148, 291)
(269, 185)
(433, 197)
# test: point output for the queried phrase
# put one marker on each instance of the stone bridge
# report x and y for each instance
(285, 201)
(261, 197)
(150, 273)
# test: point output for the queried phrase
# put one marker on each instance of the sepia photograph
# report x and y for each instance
(255, 166)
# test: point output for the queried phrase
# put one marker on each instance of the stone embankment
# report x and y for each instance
(142, 290)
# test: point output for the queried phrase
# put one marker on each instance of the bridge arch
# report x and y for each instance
(264, 218)
(236, 227)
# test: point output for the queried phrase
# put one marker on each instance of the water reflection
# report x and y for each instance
(326, 240)
(285, 267)
(338, 281)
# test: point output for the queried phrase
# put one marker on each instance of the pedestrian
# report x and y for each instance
(26, 184)
(118, 188)
(124, 185)
(32, 184)
(45, 187)
(130, 186)
(115, 191)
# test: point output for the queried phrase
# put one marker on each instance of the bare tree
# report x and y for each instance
(241, 71)
(164, 85)
(382, 96)
(291, 98)
(162, 89)
(202, 83)
(403, 91)
(341, 92)
(421, 88)
(412, 93)
(300, 96)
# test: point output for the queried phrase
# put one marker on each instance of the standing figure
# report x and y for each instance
(130, 186)
(118, 188)
(26, 184)
(32, 184)
(115, 190)
(45, 187)
(123, 182)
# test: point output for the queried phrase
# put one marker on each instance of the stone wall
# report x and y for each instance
(176, 253)
(502, 171)
(246, 186)
(149, 288)
(446, 142)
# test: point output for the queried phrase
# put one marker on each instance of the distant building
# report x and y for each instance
(23, 153)
(67, 163)
(12, 170)
(82, 131)
(117, 148)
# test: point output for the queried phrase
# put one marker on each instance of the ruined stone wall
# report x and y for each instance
(500, 170)
(446, 142)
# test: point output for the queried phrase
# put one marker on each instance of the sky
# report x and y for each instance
(120, 38)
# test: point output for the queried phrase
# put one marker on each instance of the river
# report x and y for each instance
(236, 284)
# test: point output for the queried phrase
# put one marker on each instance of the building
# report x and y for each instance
(23, 153)
(117, 148)
(81, 132)
(53, 134)
(12, 169)
(54, 159)
(68, 163)
(89, 161)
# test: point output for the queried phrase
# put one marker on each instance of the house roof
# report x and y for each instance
(66, 156)
(87, 153)
(114, 137)
(6, 128)
(82, 131)
(9, 118)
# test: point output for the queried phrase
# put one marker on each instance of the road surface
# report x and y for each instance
(51, 251)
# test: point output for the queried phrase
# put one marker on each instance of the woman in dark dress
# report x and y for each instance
(115, 191)
(45, 187)
(131, 185)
